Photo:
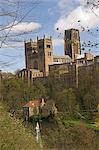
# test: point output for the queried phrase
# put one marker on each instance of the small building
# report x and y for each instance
(85, 59)
(49, 109)
(32, 108)
(39, 107)
(62, 59)
(29, 75)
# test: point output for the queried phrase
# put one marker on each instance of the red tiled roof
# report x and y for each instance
(33, 103)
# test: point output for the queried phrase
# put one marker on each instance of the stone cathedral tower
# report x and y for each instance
(72, 43)
(39, 55)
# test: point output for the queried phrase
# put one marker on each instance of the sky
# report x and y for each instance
(32, 18)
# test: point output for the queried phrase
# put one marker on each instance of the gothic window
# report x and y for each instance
(49, 53)
(48, 46)
(41, 46)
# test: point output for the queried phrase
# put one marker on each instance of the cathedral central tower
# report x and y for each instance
(72, 43)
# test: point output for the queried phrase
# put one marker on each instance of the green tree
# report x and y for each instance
(40, 89)
(66, 101)
(16, 92)
(90, 101)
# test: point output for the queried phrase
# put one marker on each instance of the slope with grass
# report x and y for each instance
(13, 136)
(68, 135)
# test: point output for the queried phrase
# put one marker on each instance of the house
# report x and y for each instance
(39, 107)
(32, 108)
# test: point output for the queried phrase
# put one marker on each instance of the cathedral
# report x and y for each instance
(39, 54)
(40, 61)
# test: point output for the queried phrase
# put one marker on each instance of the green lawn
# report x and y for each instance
(78, 122)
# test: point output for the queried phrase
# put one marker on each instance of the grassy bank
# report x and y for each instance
(69, 135)
(56, 134)
(79, 122)
(13, 136)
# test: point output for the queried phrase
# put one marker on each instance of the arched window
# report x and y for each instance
(35, 65)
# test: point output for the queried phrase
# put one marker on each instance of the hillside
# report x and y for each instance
(55, 135)
(13, 136)
(68, 136)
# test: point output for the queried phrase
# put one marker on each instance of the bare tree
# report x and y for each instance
(12, 14)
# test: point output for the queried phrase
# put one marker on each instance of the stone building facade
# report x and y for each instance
(88, 73)
(66, 71)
